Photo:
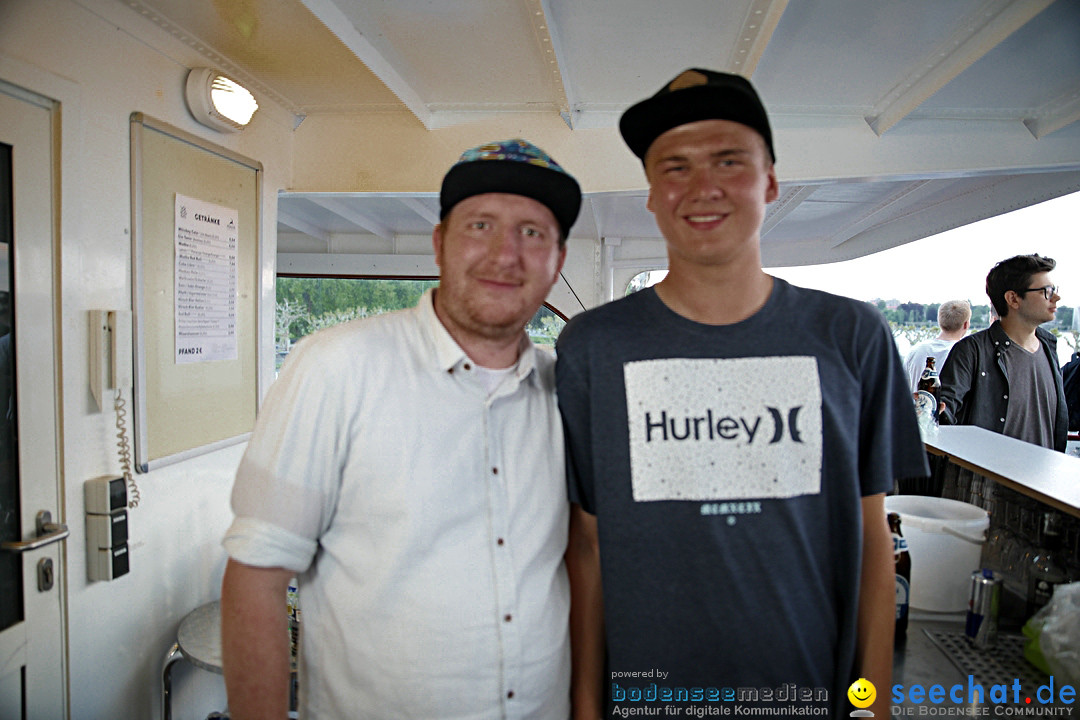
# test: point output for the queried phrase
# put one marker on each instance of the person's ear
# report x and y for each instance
(560, 263)
(773, 191)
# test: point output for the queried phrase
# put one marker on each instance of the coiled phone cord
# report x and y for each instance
(124, 448)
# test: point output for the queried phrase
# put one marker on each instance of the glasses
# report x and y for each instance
(1048, 291)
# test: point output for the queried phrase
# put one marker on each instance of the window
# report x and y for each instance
(544, 328)
(307, 304)
(645, 279)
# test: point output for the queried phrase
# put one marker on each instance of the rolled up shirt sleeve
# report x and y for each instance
(288, 481)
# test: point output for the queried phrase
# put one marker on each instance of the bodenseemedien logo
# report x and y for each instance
(972, 699)
(652, 693)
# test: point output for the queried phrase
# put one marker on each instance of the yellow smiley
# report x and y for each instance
(862, 693)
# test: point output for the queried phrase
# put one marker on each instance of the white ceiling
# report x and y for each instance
(893, 120)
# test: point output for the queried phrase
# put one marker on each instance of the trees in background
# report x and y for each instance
(307, 304)
(915, 322)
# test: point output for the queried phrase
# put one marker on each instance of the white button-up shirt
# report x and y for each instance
(426, 520)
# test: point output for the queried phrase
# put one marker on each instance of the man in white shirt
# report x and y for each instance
(408, 470)
(954, 319)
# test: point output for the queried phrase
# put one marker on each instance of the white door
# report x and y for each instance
(32, 590)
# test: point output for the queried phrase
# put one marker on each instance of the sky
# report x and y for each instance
(953, 264)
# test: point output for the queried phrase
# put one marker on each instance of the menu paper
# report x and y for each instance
(207, 278)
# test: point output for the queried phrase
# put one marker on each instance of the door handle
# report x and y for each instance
(47, 532)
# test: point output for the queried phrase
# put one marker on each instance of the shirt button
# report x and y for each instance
(1002, 420)
(508, 617)
(467, 366)
(500, 541)
(494, 471)
(1006, 397)
(510, 695)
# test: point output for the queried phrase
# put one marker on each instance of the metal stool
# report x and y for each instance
(199, 642)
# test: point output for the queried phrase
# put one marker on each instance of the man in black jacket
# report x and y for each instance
(1006, 378)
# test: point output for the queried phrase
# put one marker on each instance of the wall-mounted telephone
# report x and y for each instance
(110, 369)
(110, 352)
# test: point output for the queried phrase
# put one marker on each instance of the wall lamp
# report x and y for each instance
(218, 101)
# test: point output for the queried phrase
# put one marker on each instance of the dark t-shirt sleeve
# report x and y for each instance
(890, 445)
(571, 382)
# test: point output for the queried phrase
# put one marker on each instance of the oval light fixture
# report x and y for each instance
(218, 101)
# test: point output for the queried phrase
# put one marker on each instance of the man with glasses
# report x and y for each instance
(1006, 378)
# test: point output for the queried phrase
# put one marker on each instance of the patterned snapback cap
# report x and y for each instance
(516, 167)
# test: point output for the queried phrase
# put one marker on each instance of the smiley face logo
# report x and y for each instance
(862, 693)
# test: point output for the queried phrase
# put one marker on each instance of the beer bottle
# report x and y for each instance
(902, 560)
(929, 380)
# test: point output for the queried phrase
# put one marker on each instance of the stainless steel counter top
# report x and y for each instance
(920, 661)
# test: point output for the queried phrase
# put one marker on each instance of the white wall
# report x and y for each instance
(103, 61)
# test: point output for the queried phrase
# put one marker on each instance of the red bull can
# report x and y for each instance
(983, 604)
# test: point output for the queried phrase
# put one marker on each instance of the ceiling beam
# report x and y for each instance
(1063, 110)
(303, 226)
(989, 197)
(784, 205)
(911, 192)
(421, 209)
(592, 209)
(342, 209)
(328, 12)
(551, 46)
(762, 17)
(984, 29)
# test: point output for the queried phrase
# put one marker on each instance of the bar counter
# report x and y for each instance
(1052, 478)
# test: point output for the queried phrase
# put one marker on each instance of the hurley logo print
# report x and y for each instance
(731, 429)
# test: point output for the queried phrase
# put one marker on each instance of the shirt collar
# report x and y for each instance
(998, 333)
(449, 355)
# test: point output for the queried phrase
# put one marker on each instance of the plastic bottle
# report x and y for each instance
(1047, 569)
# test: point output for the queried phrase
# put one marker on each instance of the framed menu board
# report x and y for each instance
(196, 217)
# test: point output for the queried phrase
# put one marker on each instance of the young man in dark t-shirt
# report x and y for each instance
(730, 439)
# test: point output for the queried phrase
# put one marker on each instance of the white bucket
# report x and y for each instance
(944, 539)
